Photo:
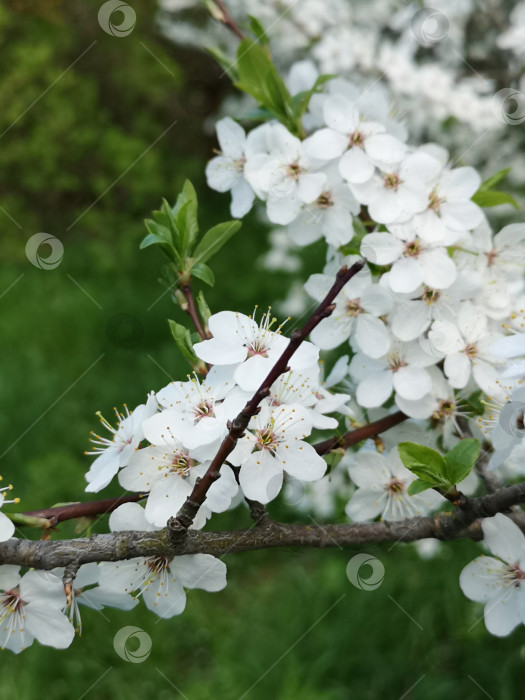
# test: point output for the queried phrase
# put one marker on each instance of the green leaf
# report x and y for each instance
(302, 99)
(224, 62)
(419, 485)
(461, 459)
(185, 217)
(492, 181)
(424, 462)
(493, 198)
(161, 236)
(475, 404)
(203, 308)
(204, 273)
(182, 337)
(260, 79)
(214, 239)
(258, 30)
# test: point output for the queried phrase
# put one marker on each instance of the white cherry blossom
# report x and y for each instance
(382, 489)
(499, 581)
(160, 581)
(273, 444)
(7, 527)
(115, 453)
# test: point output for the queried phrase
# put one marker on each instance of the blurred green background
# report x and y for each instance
(94, 130)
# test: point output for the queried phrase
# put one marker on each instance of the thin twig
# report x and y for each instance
(352, 437)
(191, 310)
(225, 18)
(59, 514)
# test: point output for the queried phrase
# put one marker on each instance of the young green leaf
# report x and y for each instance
(214, 239)
(204, 309)
(494, 198)
(302, 99)
(461, 459)
(419, 485)
(185, 217)
(228, 66)
(424, 462)
(182, 337)
(204, 273)
(258, 30)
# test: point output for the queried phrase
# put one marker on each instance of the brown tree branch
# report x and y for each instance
(191, 310)
(119, 546)
(221, 14)
(178, 525)
(59, 514)
(352, 437)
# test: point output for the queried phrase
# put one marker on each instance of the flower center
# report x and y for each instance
(266, 440)
(514, 575)
(395, 487)
(203, 410)
(491, 257)
(434, 201)
(357, 138)
(396, 363)
(470, 350)
(12, 601)
(445, 407)
(324, 201)
(293, 170)
(181, 464)
(392, 181)
(430, 296)
(158, 564)
(239, 164)
(412, 249)
(353, 307)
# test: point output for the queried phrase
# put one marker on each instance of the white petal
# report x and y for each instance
(310, 186)
(299, 459)
(325, 144)
(381, 248)
(242, 198)
(375, 389)
(261, 477)
(231, 137)
(202, 571)
(504, 538)
(372, 336)
(366, 505)
(412, 383)
(482, 579)
(49, 626)
(457, 368)
(355, 166)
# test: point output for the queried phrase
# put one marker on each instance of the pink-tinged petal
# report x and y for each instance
(457, 368)
(355, 166)
(412, 383)
(372, 336)
(405, 276)
(366, 505)
(231, 137)
(261, 477)
(202, 571)
(300, 460)
(375, 389)
(504, 538)
(385, 148)
(381, 248)
(325, 144)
